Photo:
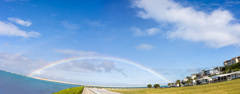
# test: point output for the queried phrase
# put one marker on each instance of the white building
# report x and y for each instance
(201, 74)
(185, 80)
(227, 76)
(212, 72)
(193, 76)
(204, 80)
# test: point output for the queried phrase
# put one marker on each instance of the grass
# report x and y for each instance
(74, 90)
(226, 87)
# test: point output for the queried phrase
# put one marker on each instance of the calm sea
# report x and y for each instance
(11, 83)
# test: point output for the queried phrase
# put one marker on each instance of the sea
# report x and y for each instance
(11, 83)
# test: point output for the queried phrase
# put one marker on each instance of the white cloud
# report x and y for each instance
(75, 53)
(20, 22)
(14, 0)
(147, 32)
(96, 23)
(216, 29)
(70, 25)
(9, 0)
(8, 29)
(144, 47)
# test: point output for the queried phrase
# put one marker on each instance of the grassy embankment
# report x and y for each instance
(226, 87)
(74, 90)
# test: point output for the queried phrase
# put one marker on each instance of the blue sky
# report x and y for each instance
(173, 38)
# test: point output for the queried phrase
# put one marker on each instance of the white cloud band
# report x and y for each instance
(216, 29)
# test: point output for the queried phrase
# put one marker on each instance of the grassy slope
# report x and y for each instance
(74, 90)
(227, 87)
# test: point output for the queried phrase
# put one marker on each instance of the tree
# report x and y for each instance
(195, 78)
(156, 86)
(183, 82)
(149, 86)
(169, 84)
(189, 81)
(178, 82)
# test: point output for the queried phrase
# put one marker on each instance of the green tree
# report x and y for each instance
(183, 82)
(189, 81)
(156, 86)
(178, 82)
(195, 78)
(169, 84)
(149, 85)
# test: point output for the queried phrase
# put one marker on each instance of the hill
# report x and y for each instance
(226, 87)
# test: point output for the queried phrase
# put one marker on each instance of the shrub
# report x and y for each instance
(74, 90)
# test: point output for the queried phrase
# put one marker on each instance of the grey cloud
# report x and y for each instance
(19, 63)
(90, 66)
(108, 66)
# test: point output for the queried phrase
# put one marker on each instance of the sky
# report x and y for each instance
(170, 37)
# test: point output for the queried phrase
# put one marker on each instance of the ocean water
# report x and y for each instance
(11, 83)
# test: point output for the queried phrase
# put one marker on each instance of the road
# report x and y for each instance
(87, 91)
(97, 91)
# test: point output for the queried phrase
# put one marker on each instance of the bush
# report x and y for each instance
(74, 90)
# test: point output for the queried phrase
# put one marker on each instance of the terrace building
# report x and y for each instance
(232, 61)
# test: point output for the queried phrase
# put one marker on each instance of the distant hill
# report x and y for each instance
(11, 83)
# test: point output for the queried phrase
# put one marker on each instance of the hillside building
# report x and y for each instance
(232, 61)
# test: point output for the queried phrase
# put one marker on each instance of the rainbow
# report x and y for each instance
(99, 58)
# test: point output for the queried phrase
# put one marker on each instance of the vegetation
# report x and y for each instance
(169, 84)
(149, 86)
(226, 87)
(234, 67)
(74, 90)
(156, 86)
(178, 82)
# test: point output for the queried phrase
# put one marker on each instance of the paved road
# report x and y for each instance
(104, 91)
(97, 91)
(87, 91)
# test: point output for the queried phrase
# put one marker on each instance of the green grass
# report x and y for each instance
(226, 87)
(74, 90)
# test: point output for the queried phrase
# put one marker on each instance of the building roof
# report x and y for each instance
(216, 76)
(227, 60)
